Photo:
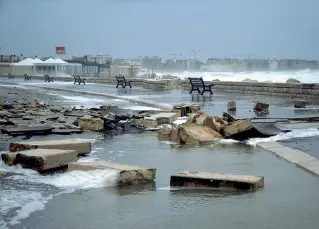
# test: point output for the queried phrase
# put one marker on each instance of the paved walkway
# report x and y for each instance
(280, 107)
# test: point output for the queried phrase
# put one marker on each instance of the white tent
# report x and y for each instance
(25, 62)
(23, 67)
(57, 67)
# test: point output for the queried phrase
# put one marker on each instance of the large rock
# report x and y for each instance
(300, 104)
(45, 159)
(292, 80)
(210, 122)
(81, 147)
(87, 122)
(216, 180)
(237, 127)
(261, 107)
(197, 134)
(164, 131)
(128, 175)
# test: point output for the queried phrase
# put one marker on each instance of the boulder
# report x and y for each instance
(231, 106)
(237, 127)
(292, 80)
(209, 121)
(164, 131)
(174, 135)
(300, 104)
(87, 122)
(261, 107)
(197, 134)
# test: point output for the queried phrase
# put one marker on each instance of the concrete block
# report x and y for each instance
(45, 159)
(163, 118)
(216, 180)
(237, 127)
(128, 175)
(81, 148)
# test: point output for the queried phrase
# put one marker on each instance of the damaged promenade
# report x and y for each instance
(183, 124)
(153, 157)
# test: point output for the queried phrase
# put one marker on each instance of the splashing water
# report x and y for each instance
(304, 76)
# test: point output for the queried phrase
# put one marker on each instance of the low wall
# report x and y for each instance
(280, 89)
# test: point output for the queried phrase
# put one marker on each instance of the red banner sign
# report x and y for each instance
(60, 50)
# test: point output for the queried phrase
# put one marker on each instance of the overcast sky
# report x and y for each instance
(128, 28)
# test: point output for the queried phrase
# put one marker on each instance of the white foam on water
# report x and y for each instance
(27, 202)
(141, 108)
(304, 76)
(228, 141)
(298, 133)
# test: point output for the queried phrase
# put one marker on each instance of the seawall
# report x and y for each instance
(298, 90)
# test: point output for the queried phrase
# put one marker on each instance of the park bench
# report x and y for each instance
(26, 77)
(78, 79)
(197, 84)
(48, 78)
(10, 76)
(122, 81)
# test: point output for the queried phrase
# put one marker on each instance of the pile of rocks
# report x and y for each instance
(199, 128)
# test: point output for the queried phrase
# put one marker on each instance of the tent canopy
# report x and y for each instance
(25, 62)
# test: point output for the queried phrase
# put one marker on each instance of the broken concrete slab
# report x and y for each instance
(237, 127)
(128, 175)
(216, 180)
(81, 147)
(197, 134)
(45, 159)
(66, 131)
(27, 130)
(292, 155)
(301, 159)
(163, 118)
(8, 158)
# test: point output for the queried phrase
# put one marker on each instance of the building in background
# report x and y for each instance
(273, 65)
(124, 69)
(100, 59)
(151, 62)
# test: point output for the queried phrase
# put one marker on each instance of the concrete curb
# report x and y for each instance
(297, 157)
(111, 96)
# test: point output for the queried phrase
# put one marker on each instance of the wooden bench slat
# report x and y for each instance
(122, 81)
(78, 79)
(197, 84)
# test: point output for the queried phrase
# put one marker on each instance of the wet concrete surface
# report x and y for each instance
(280, 107)
(288, 200)
(308, 145)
